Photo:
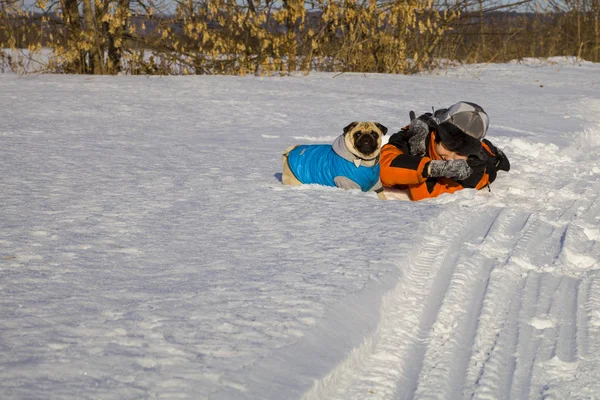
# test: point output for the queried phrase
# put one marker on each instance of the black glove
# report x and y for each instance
(500, 160)
(478, 161)
(453, 169)
(501, 163)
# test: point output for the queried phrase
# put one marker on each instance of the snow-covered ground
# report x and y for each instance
(149, 251)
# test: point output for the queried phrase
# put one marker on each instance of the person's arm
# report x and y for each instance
(424, 177)
(480, 177)
(500, 161)
(485, 166)
(442, 177)
(398, 166)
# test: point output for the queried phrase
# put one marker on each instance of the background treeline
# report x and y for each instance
(266, 36)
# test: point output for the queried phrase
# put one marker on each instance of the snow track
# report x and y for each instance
(149, 251)
(505, 311)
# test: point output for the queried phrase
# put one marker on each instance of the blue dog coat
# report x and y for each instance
(321, 164)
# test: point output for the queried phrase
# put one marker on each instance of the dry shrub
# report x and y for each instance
(492, 33)
(230, 37)
(265, 37)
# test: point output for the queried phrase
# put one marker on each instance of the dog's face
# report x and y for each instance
(364, 138)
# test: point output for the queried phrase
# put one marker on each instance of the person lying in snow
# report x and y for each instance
(442, 152)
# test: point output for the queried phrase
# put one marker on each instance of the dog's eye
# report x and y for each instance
(356, 135)
(374, 134)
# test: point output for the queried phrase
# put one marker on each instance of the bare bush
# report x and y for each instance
(264, 37)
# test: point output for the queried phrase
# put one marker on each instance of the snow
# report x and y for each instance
(149, 250)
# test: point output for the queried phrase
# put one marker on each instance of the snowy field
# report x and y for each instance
(148, 249)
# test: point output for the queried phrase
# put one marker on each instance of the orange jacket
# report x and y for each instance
(400, 168)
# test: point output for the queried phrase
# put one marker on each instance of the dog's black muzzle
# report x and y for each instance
(366, 142)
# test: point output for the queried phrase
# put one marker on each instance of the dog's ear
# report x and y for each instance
(351, 126)
(382, 128)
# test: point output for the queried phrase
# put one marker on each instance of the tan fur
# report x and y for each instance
(349, 141)
(363, 127)
(288, 177)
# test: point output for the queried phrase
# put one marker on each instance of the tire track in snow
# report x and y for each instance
(453, 336)
(388, 364)
(544, 319)
(486, 313)
(544, 331)
(565, 313)
(525, 352)
(582, 334)
(396, 349)
(507, 303)
(592, 314)
(491, 377)
(552, 332)
(552, 328)
(537, 333)
(492, 363)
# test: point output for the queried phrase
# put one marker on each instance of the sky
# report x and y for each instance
(149, 250)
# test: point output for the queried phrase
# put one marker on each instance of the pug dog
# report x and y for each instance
(350, 162)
